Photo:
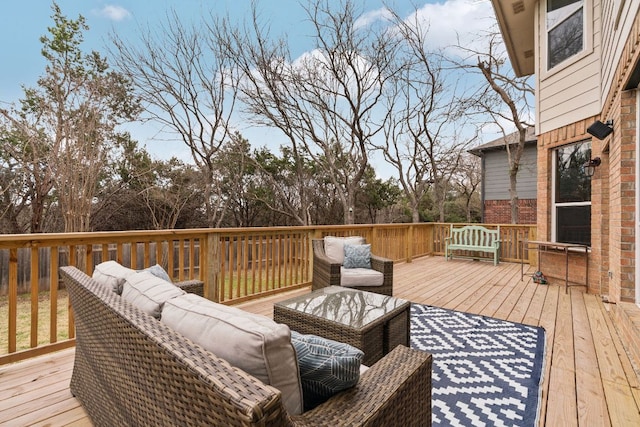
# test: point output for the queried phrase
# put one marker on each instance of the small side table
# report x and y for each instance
(372, 322)
(566, 248)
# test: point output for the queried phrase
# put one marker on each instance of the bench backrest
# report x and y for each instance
(475, 235)
(131, 369)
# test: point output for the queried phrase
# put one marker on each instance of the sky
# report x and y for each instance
(23, 22)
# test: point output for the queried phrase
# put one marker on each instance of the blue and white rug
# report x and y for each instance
(486, 372)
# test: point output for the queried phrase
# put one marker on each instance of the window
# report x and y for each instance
(565, 30)
(572, 195)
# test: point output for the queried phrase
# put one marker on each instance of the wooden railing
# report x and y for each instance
(235, 265)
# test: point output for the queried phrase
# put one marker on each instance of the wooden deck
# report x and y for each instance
(589, 380)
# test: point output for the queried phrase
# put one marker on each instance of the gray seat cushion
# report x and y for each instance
(253, 343)
(350, 277)
(334, 246)
(149, 292)
(111, 274)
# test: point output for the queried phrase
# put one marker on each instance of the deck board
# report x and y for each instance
(588, 377)
(622, 407)
(591, 403)
(562, 384)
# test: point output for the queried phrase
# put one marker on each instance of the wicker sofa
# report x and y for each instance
(131, 369)
(327, 272)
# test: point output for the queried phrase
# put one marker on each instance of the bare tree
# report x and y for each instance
(466, 182)
(324, 102)
(422, 140)
(175, 186)
(185, 77)
(504, 98)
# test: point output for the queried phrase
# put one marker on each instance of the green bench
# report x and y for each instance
(473, 238)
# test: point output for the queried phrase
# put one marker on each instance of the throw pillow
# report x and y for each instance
(148, 292)
(357, 256)
(334, 246)
(253, 343)
(111, 274)
(326, 367)
(158, 271)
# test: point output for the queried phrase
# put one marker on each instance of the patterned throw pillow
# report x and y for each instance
(357, 256)
(157, 271)
(326, 367)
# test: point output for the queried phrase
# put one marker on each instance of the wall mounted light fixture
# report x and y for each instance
(589, 167)
(601, 130)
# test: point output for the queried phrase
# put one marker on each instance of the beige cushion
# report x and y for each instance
(253, 343)
(334, 246)
(350, 277)
(111, 274)
(149, 292)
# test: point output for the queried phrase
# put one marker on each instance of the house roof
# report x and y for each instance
(516, 21)
(499, 143)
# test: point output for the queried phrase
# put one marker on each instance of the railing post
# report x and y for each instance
(13, 299)
(410, 244)
(34, 276)
(374, 240)
(211, 285)
(533, 260)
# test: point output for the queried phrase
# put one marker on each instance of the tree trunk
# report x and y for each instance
(513, 194)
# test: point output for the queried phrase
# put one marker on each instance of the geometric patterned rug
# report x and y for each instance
(486, 371)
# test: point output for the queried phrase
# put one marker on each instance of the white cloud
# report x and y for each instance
(453, 20)
(382, 14)
(448, 23)
(115, 13)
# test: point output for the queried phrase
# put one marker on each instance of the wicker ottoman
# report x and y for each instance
(374, 323)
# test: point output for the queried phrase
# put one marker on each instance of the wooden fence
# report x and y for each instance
(235, 265)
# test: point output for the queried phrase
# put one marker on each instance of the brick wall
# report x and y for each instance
(499, 211)
(618, 198)
(553, 265)
(612, 257)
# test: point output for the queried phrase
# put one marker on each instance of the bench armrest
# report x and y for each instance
(394, 391)
(326, 272)
(192, 286)
(383, 265)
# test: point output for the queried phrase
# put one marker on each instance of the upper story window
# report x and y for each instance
(571, 214)
(565, 30)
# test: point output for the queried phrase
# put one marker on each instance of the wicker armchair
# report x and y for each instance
(131, 369)
(327, 272)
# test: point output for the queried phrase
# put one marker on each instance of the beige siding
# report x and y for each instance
(578, 91)
(617, 22)
(573, 92)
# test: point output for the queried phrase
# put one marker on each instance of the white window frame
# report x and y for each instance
(554, 205)
(587, 45)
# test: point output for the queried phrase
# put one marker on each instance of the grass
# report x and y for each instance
(234, 287)
(248, 283)
(23, 336)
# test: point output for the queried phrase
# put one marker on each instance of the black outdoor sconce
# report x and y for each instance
(589, 167)
(601, 130)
